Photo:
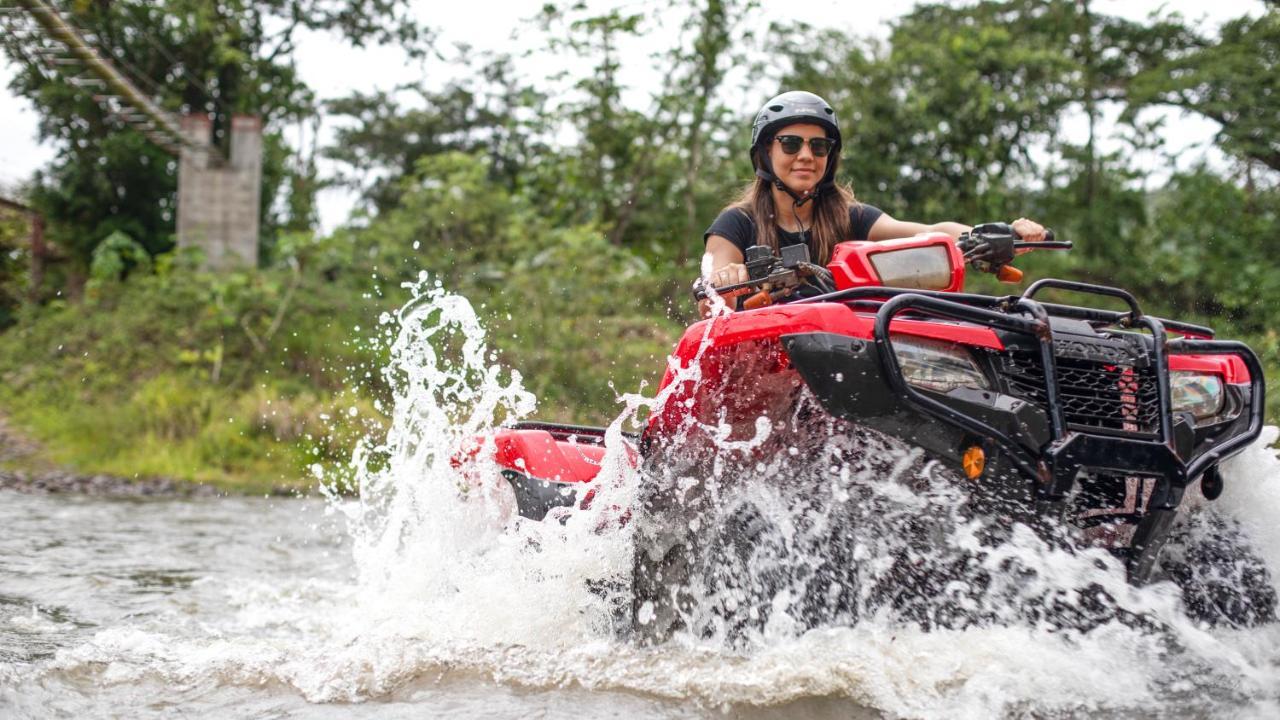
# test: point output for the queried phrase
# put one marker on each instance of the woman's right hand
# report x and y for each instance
(724, 276)
(730, 274)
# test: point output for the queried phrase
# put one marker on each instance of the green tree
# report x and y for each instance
(606, 164)
(959, 114)
(648, 176)
(943, 119)
(651, 176)
(1233, 80)
(487, 112)
(14, 256)
(698, 74)
(1211, 249)
(191, 56)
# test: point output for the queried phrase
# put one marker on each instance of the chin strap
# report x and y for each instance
(798, 198)
(765, 172)
(795, 204)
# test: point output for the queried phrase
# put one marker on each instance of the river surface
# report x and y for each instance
(244, 608)
(234, 608)
(426, 597)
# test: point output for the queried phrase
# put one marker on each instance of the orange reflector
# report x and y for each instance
(759, 300)
(974, 461)
(1009, 274)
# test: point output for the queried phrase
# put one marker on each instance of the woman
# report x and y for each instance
(795, 148)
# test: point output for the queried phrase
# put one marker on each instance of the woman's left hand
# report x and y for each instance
(1029, 230)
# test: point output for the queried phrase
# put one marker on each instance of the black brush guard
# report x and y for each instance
(1068, 451)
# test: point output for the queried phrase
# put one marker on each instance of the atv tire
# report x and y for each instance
(659, 594)
(1222, 579)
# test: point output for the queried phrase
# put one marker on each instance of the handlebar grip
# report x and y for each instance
(1048, 234)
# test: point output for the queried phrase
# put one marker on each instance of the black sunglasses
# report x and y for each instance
(791, 144)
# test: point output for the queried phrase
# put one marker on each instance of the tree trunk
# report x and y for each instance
(39, 251)
(38, 254)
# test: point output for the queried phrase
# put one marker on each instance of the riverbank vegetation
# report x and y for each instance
(572, 218)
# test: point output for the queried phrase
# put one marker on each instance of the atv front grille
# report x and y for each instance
(1114, 398)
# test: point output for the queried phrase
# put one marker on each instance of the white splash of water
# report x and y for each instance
(441, 554)
(1252, 495)
(449, 575)
(449, 580)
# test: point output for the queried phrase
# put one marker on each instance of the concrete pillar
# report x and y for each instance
(194, 199)
(218, 201)
(244, 189)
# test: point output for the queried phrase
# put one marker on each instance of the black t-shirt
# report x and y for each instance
(736, 226)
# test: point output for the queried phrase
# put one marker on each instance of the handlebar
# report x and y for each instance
(988, 247)
(1045, 245)
(773, 277)
(991, 247)
(700, 290)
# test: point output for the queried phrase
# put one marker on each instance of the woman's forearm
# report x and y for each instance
(951, 228)
(890, 228)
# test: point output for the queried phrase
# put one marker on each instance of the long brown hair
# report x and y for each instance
(830, 216)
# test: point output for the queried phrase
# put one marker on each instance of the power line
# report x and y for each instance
(139, 27)
(160, 126)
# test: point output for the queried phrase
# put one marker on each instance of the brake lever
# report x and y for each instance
(700, 288)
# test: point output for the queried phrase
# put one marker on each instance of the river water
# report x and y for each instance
(426, 598)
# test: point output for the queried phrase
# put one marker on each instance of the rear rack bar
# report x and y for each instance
(1135, 312)
(1118, 318)
(582, 433)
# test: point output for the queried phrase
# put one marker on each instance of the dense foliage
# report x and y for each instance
(191, 56)
(571, 213)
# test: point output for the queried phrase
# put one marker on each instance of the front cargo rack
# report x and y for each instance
(873, 297)
(1144, 432)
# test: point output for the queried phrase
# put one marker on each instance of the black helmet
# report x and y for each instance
(793, 107)
(786, 109)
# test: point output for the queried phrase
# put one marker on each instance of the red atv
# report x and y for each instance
(763, 493)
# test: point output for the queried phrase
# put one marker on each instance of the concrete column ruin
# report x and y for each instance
(218, 199)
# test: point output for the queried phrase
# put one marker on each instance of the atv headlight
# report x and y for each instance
(921, 268)
(937, 365)
(1198, 393)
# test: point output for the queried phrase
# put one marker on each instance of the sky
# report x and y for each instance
(334, 70)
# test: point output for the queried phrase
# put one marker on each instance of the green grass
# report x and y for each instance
(181, 375)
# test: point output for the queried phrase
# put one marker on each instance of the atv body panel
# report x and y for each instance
(1076, 408)
(548, 464)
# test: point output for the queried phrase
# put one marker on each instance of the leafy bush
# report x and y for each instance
(178, 373)
(580, 318)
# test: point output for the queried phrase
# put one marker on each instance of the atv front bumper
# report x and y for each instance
(1034, 452)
